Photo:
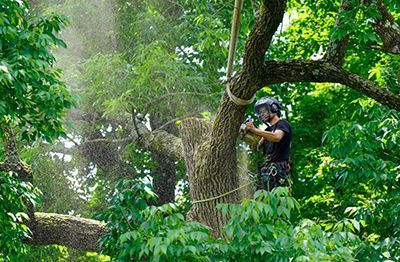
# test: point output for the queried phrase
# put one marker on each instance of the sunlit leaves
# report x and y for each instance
(257, 229)
(33, 97)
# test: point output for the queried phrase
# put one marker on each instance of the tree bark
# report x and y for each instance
(70, 231)
(387, 29)
(164, 169)
(336, 50)
(319, 71)
(79, 233)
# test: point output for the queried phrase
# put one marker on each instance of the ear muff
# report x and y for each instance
(274, 108)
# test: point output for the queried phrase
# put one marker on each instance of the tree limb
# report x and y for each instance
(336, 50)
(79, 233)
(266, 24)
(12, 161)
(387, 29)
(320, 71)
(164, 142)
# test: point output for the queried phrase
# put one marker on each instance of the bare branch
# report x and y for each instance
(10, 146)
(12, 161)
(72, 140)
(173, 121)
(164, 142)
(107, 140)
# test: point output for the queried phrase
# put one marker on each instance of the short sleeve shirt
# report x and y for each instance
(279, 151)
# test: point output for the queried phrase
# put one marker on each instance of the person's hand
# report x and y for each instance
(250, 126)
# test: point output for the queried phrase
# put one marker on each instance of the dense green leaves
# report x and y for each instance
(15, 195)
(345, 147)
(33, 97)
(257, 229)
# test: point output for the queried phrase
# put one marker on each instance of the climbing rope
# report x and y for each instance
(240, 187)
(229, 192)
(231, 56)
(224, 194)
(239, 101)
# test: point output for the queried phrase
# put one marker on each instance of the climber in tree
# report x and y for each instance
(275, 141)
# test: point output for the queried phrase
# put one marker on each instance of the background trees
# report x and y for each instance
(151, 64)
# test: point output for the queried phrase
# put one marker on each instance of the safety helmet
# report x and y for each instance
(270, 103)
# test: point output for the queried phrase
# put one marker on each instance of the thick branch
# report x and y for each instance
(336, 50)
(319, 71)
(79, 233)
(193, 131)
(271, 15)
(164, 142)
(387, 29)
(12, 161)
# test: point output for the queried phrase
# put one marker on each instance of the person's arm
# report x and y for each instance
(275, 136)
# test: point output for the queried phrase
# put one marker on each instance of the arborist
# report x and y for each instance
(275, 141)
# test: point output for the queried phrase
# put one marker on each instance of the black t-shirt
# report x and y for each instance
(278, 151)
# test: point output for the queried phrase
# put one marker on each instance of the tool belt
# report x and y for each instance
(274, 174)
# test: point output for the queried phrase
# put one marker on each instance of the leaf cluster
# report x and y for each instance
(15, 196)
(33, 96)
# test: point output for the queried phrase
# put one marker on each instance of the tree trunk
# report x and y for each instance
(164, 169)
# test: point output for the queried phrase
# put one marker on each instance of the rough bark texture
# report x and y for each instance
(163, 141)
(164, 169)
(79, 233)
(319, 71)
(212, 164)
(13, 161)
(387, 29)
(336, 50)
(210, 154)
(206, 181)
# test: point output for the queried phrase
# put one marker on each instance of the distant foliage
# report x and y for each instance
(14, 197)
(32, 95)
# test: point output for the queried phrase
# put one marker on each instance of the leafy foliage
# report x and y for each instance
(345, 150)
(15, 196)
(33, 97)
(260, 228)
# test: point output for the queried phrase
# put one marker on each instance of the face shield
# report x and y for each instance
(264, 114)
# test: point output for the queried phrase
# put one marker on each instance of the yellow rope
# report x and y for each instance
(224, 194)
(236, 100)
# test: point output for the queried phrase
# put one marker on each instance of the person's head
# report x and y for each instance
(267, 108)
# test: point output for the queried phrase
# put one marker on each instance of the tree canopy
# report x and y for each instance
(134, 148)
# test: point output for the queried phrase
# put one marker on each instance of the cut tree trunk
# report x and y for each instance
(79, 233)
